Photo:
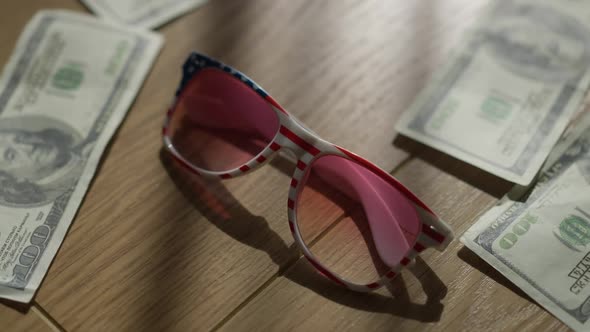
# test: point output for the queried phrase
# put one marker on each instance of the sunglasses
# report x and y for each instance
(355, 223)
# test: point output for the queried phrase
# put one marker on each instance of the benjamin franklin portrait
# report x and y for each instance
(39, 160)
(538, 42)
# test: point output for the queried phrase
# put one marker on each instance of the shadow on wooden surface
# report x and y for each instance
(23, 308)
(220, 207)
(465, 172)
(398, 304)
(478, 263)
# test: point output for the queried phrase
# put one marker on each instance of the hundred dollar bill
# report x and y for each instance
(63, 93)
(578, 124)
(509, 91)
(144, 13)
(543, 244)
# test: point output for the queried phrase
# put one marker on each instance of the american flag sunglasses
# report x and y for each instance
(222, 124)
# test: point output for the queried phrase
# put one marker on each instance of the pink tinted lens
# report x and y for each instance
(219, 123)
(353, 221)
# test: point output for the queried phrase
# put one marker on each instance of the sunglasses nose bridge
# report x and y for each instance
(291, 148)
(302, 143)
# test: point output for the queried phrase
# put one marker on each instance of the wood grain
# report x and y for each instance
(441, 292)
(32, 320)
(153, 248)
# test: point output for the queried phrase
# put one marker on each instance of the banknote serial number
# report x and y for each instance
(581, 274)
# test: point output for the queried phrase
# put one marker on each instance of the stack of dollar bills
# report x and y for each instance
(502, 103)
(68, 85)
(63, 93)
(543, 243)
(505, 97)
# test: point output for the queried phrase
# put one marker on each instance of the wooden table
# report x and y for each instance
(153, 248)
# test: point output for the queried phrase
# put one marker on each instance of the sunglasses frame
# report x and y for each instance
(307, 146)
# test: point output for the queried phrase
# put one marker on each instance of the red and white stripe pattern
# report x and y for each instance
(308, 146)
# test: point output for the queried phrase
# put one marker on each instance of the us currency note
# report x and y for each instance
(577, 125)
(509, 91)
(543, 244)
(144, 13)
(63, 93)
